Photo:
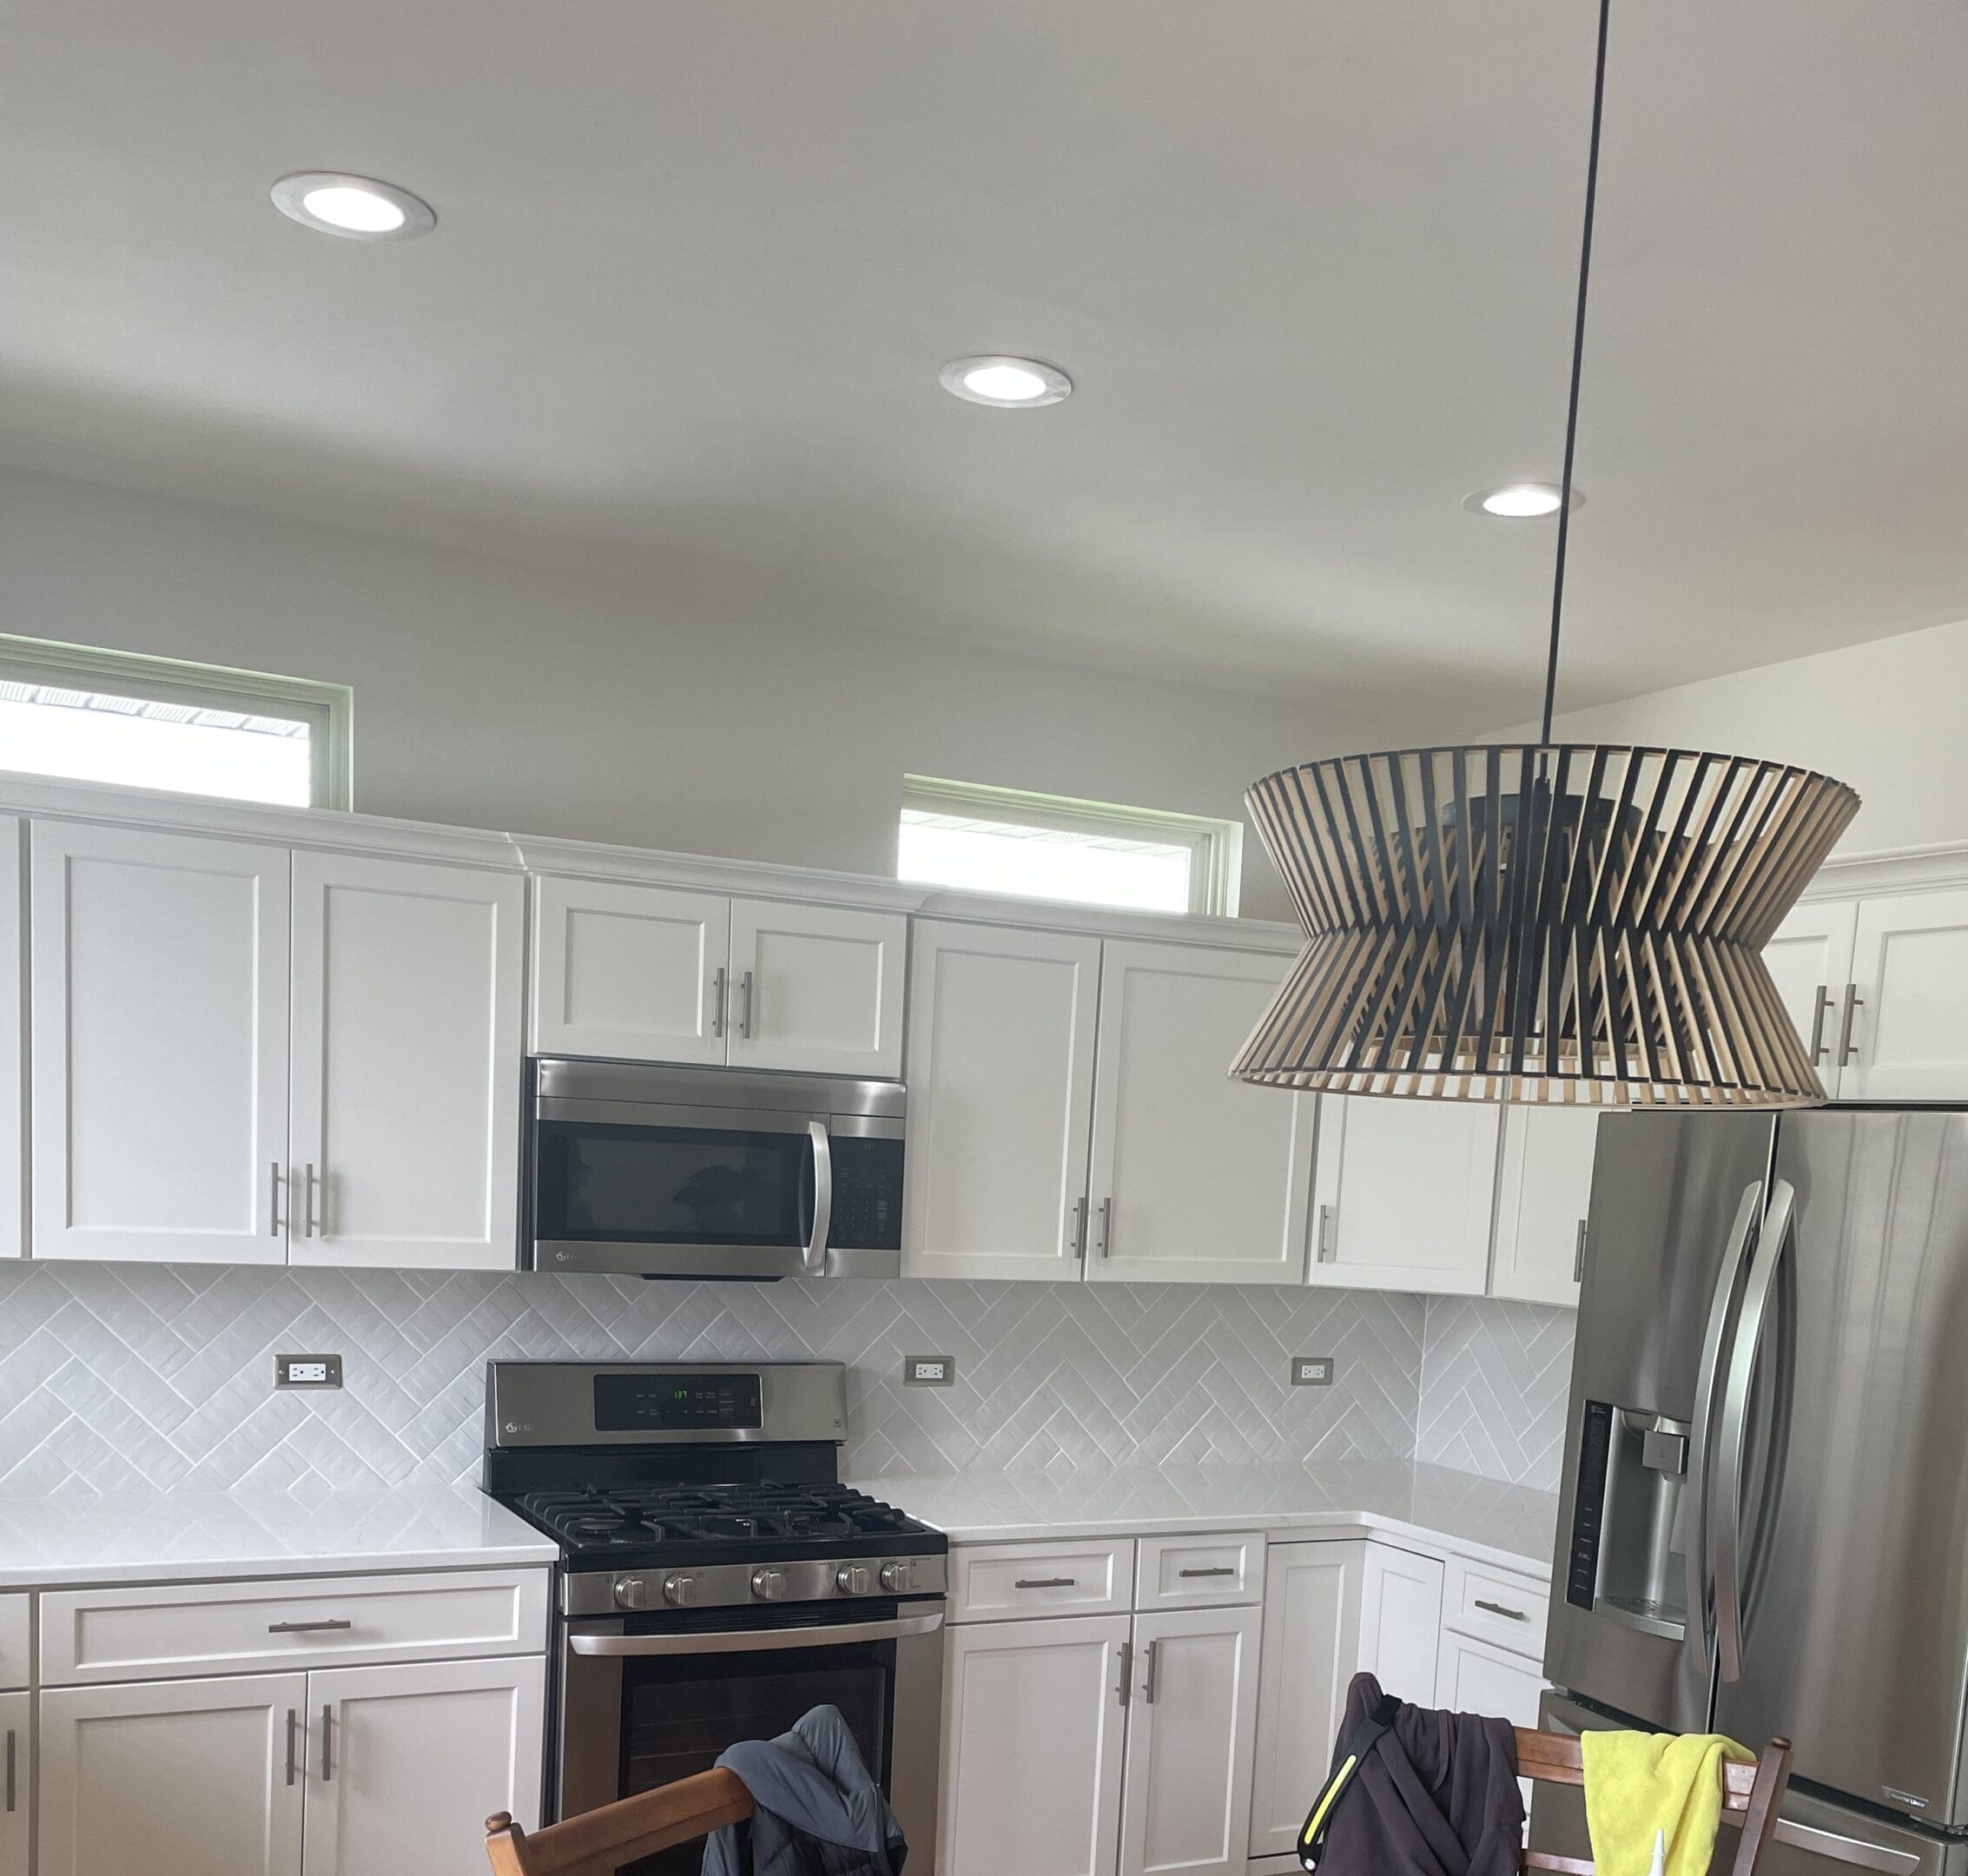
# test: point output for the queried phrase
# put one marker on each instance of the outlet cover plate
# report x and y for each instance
(929, 1370)
(308, 1371)
(1311, 1370)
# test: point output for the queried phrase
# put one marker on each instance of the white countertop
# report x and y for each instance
(1476, 1517)
(57, 1542)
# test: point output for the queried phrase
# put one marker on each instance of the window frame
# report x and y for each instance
(1215, 847)
(327, 709)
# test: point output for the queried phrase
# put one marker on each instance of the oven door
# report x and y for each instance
(644, 1701)
(658, 1191)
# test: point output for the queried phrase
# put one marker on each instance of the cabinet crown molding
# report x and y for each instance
(1890, 870)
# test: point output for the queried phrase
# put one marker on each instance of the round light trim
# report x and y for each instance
(356, 208)
(1519, 501)
(1006, 382)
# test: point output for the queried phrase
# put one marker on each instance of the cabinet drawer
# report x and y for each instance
(1194, 1572)
(249, 1628)
(14, 1660)
(1499, 1606)
(993, 1581)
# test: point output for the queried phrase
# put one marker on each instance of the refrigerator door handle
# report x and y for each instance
(1727, 1528)
(1741, 1236)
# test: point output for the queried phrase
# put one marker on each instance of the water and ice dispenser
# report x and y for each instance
(1633, 1521)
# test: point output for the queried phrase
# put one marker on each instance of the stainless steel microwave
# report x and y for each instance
(720, 1173)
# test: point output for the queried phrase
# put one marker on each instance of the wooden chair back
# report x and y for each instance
(598, 1843)
(1754, 1792)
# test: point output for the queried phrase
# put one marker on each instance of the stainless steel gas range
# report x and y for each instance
(716, 1579)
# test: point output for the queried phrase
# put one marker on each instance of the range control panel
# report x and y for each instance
(674, 1402)
(1582, 1574)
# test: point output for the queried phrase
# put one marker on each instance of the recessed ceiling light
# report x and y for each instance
(1008, 383)
(356, 208)
(1519, 501)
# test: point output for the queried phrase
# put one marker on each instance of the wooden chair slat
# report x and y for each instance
(598, 1842)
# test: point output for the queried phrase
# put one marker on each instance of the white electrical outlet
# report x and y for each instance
(929, 1370)
(1311, 1370)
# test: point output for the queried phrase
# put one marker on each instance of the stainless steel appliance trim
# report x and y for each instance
(1848, 1050)
(1125, 1686)
(662, 1084)
(666, 1114)
(755, 1641)
(551, 1404)
(736, 1262)
(1503, 1610)
(1740, 1234)
(717, 996)
(1820, 1008)
(308, 1627)
(1727, 1539)
(599, 1592)
(816, 1260)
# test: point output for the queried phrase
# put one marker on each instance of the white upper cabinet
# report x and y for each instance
(1402, 1195)
(633, 971)
(407, 1049)
(1195, 1178)
(1810, 961)
(159, 967)
(1906, 1036)
(816, 989)
(13, 1049)
(1543, 1195)
(640, 973)
(1000, 1094)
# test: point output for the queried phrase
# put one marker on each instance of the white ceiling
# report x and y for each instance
(698, 261)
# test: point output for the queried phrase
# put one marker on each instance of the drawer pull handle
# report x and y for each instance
(1044, 1582)
(1497, 1609)
(1215, 1570)
(308, 1627)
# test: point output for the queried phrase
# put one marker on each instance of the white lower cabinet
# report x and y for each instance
(1034, 1720)
(1479, 1677)
(174, 1778)
(382, 1771)
(1191, 1730)
(17, 1764)
(1401, 1622)
(1311, 1647)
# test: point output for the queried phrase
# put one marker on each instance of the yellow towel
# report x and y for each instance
(1638, 1783)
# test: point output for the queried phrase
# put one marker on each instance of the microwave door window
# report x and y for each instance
(684, 1186)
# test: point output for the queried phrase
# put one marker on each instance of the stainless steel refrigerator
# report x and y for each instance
(1763, 1526)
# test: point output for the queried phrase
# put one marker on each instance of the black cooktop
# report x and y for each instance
(633, 1526)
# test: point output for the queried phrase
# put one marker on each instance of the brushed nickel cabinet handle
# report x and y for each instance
(719, 994)
(1215, 1570)
(1043, 1583)
(13, 1770)
(327, 1749)
(1328, 1219)
(308, 1628)
(308, 1174)
(1106, 1226)
(1820, 1008)
(1148, 1684)
(1848, 1050)
(745, 1016)
(293, 1727)
(1080, 1228)
(1126, 1685)
(274, 1198)
(1497, 1609)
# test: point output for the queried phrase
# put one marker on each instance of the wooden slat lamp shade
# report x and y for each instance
(1568, 923)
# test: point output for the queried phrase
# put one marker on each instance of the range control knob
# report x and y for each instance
(769, 1585)
(680, 1590)
(631, 1592)
(895, 1577)
(855, 1579)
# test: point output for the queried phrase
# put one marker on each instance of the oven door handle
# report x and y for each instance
(755, 1641)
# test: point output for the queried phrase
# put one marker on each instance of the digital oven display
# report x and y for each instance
(671, 1404)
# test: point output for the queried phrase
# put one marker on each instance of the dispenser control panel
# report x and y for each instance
(1589, 1511)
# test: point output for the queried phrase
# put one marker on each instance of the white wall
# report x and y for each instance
(1887, 718)
(718, 711)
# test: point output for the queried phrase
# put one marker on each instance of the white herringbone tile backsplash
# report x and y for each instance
(1495, 1381)
(114, 1375)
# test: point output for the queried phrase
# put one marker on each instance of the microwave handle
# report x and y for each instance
(815, 1262)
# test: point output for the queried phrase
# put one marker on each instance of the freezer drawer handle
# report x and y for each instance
(1835, 1848)
(1497, 1609)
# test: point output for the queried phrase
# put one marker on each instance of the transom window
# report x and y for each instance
(980, 839)
(85, 715)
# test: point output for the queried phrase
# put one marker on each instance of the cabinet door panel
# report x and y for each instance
(1810, 961)
(13, 1048)
(1000, 1092)
(1543, 1198)
(158, 968)
(175, 1778)
(1401, 1622)
(817, 989)
(1404, 1192)
(1031, 1748)
(1910, 1033)
(407, 1063)
(1204, 1179)
(1186, 1804)
(628, 972)
(17, 1766)
(408, 1763)
(1311, 1646)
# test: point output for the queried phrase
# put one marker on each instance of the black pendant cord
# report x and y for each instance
(1578, 361)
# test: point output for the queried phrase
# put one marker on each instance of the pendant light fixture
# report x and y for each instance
(1577, 924)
